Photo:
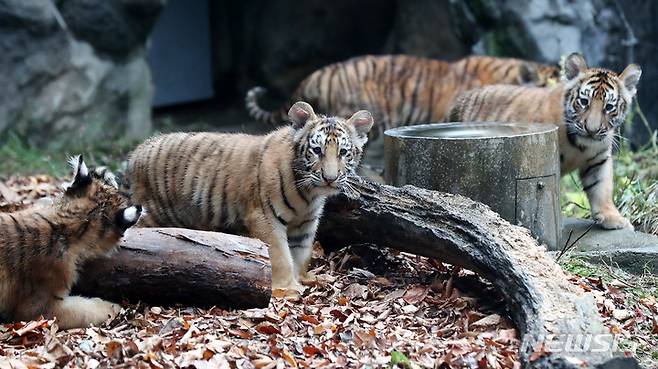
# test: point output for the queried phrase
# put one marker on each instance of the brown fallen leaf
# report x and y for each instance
(240, 333)
(113, 350)
(267, 328)
(310, 319)
(488, 321)
(416, 294)
(287, 356)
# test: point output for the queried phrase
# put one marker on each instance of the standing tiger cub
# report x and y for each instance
(588, 106)
(42, 247)
(274, 185)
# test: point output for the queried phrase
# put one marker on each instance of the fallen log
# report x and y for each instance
(551, 314)
(163, 266)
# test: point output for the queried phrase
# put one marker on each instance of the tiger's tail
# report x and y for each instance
(255, 111)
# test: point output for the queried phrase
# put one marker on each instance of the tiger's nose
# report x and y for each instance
(329, 178)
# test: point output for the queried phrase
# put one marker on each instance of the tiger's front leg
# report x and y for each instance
(597, 184)
(273, 233)
(300, 241)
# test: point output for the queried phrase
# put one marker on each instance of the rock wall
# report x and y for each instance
(75, 68)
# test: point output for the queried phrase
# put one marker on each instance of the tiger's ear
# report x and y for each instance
(81, 177)
(300, 113)
(362, 122)
(574, 65)
(631, 76)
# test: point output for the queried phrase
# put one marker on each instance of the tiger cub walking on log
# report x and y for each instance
(588, 106)
(401, 90)
(42, 247)
(275, 185)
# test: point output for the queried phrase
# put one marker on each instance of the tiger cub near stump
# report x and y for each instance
(275, 185)
(401, 90)
(42, 247)
(588, 106)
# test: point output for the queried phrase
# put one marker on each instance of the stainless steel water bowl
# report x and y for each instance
(512, 167)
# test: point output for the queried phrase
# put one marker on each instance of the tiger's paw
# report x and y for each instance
(613, 221)
(291, 290)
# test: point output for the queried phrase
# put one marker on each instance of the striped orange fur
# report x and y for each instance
(272, 186)
(42, 247)
(588, 106)
(399, 89)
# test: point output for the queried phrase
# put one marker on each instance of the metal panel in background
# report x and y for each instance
(180, 53)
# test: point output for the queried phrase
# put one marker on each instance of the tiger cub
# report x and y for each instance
(42, 247)
(274, 185)
(588, 106)
(401, 90)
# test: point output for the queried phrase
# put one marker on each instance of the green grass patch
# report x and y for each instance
(20, 157)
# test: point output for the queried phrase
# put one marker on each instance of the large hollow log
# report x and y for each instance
(173, 265)
(548, 310)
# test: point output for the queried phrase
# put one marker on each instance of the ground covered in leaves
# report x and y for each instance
(371, 308)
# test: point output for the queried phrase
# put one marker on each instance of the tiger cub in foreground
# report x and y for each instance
(588, 106)
(275, 185)
(42, 247)
(401, 90)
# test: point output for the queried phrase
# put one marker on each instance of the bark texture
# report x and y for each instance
(173, 265)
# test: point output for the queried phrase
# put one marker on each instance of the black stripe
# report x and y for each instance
(223, 216)
(283, 194)
(593, 166)
(54, 230)
(261, 155)
(169, 173)
(414, 97)
(211, 191)
(588, 187)
(597, 155)
(278, 218)
(431, 105)
(152, 185)
(304, 222)
(507, 72)
(35, 244)
(465, 72)
(298, 238)
(510, 100)
(571, 137)
(297, 246)
(21, 243)
(479, 96)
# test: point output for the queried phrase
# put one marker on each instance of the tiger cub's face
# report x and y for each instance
(597, 100)
(94, 197)
(327, 149)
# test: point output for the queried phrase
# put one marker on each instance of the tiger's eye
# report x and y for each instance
(317, 150)
(342, 152)
(583, 101)
(609, 107)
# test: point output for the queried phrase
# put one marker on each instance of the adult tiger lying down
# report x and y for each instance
(588, 106)
(274, 185)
